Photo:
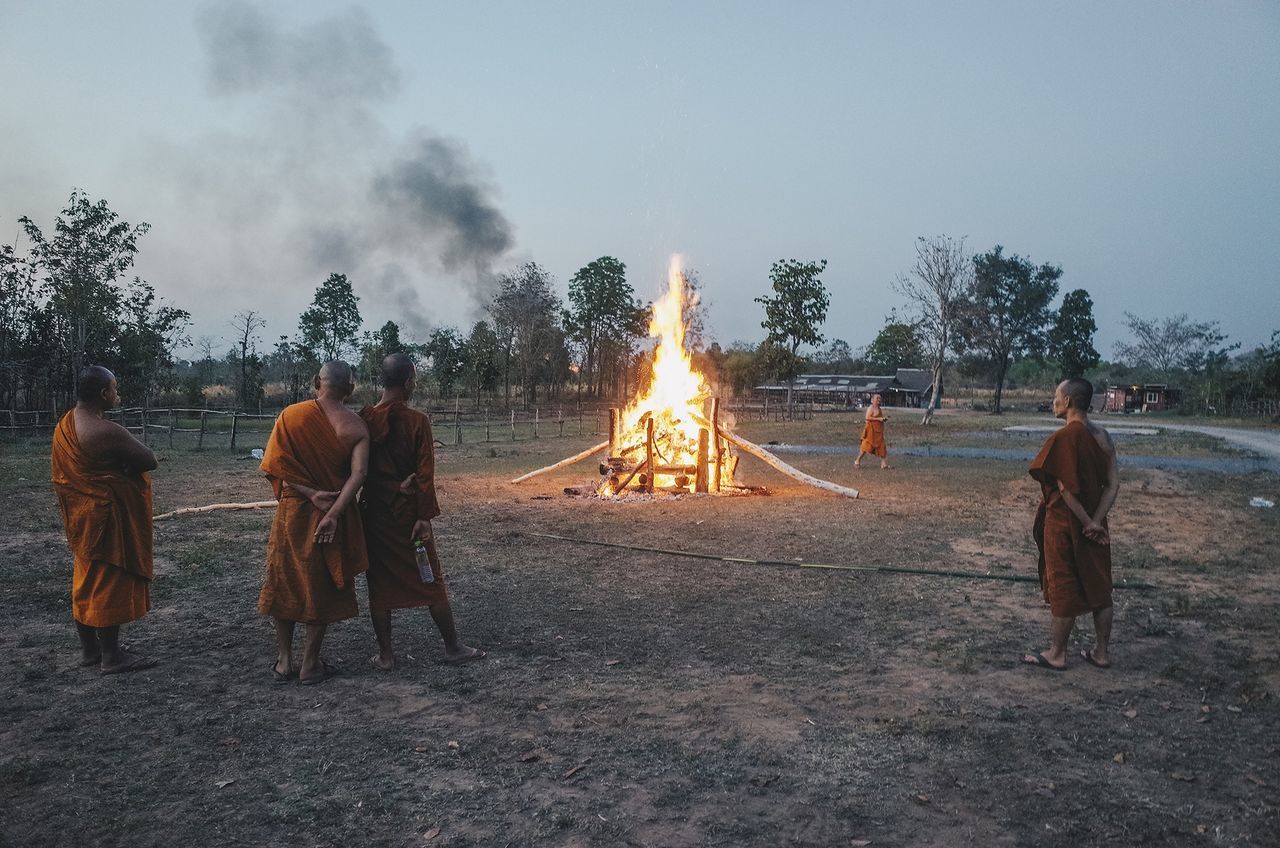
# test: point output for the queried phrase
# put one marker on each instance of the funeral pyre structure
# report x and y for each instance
(673, 438)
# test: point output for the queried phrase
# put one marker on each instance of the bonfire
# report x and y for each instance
(672, 438)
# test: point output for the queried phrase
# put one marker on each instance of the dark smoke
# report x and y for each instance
(435, 185)
(317, 183)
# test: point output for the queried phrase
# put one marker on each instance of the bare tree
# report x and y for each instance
(942, 272)
(247, 324)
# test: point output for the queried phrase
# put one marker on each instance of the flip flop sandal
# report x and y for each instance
(278, 677)
(1088, 657)
(326, 671)
(137, 665)
(1041, 662)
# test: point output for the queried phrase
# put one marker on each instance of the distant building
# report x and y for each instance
(908, 387)
(1144, 397)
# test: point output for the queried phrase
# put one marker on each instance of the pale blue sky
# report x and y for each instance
(1132, 143)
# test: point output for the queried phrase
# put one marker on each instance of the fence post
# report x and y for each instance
(513, 425)
(560, 419)
(173, 422)
(535, 422)
(200, 438)
(486, 422)
(235, 419)
(457, 422)
(144, 426)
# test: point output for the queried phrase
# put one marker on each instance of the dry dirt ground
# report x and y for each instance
(642, 699)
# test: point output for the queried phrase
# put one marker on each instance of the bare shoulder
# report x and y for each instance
(96, 433)
(1103, 438)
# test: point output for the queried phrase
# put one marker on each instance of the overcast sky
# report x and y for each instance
(418, 147)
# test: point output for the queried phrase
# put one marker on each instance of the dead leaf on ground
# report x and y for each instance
(223, 784)
(1118, 759)
(612, 662)
(922, 798)
(1253, 778)
(859, 843)
(1184, 776)
(431, 834)
(1130, 713)
(453, 744)
(530, 756)
(571, 772)
(1233, 708)
(1205, 708)
(542, 707)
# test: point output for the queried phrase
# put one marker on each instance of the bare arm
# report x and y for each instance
(322, 500)
(1113, 486)
(120, 445)
(328, 525)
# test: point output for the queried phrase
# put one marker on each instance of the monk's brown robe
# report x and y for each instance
(307, 581)
(400, 444)
(873, 439)
(107, 513)
(1075, 571)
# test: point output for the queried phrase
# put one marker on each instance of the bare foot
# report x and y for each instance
(1041, 661)
(885, 465)
(463, 654)
(282, 670)
(126, 661)
(857, 464)
(387, 663)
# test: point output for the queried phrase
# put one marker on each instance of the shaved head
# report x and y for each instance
(336, 372)
(1079, 391)
(93, 381)
(397, 370)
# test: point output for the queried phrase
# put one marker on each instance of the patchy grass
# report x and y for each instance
(638, 699)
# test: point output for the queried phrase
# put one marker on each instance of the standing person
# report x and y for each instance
(1079, 480)
(104, 494)
(399, 502)
(316, 459)
(873, 435)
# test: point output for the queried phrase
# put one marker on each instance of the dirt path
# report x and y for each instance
(1264, 442)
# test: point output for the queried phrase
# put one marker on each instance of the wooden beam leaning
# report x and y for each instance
(778, 465)
(577, 457)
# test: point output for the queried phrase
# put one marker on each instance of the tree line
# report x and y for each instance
(66, 300)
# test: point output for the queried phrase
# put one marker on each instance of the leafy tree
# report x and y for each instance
(377, 346)
(1172, 344)
(330, 324)
(448, 356)
(795, 312)
(603, 314)
(294, 364)
(934, 289)
(78, 266)
(483, 357)
(1071, 336)
(526, 316)
(146, 337)
(1005, 310)
(837, 357)
(897, 345)
(20, 343)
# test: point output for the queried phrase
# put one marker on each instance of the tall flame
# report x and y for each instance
(675, 393)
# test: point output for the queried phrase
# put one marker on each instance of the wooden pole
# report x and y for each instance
(513, 425)
(715, 437)
(457, 422)
(613, 432)
(235, 421)
(700, 477)
(143, 413)
(486, 423)
(577, 457)
(648, 453)
(200, 438)
(173, 422)
(536, 413)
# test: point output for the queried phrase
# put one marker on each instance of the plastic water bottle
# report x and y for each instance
(424, 562)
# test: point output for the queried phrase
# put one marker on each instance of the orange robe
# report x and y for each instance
(400, 444)
(107, 514)
(873, 439)
(1075, 571)
(307, 581)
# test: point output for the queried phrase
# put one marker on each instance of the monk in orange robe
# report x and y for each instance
(1079, 481)
(316, 459)
(873, 435)
(399, 502)
(104, 493)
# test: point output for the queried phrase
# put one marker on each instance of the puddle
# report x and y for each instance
(1246, 465)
